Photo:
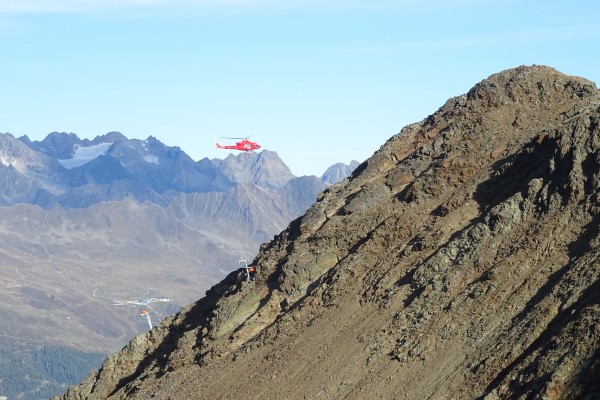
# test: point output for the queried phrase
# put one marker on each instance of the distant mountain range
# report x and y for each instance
(65, 170)
(88, 225)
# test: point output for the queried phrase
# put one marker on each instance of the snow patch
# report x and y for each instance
(14, 162)
(84, 155)
(151, 159)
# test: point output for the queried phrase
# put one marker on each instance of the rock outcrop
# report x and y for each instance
(460, 261)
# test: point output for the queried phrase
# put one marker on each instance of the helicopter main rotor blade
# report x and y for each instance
(226, 137)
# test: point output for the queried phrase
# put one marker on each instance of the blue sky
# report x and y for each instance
(318, 82)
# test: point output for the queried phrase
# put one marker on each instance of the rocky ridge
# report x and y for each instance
(459, 261)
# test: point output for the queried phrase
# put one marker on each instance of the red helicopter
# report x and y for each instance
(243, 145)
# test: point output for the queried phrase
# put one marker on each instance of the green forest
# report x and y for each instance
(33, 372)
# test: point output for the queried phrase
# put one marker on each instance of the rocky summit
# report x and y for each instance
(461, 261)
